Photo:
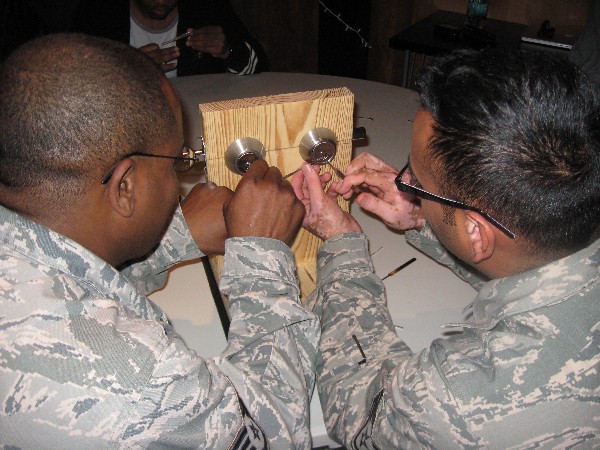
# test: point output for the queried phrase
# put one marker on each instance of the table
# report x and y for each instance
(422, 296)
(420, 37)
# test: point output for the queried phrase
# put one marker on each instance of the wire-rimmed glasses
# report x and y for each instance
(188, 157)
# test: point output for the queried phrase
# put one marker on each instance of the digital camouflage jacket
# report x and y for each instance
(88, 361)
(523, 373)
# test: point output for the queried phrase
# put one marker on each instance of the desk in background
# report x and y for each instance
(421, 297)
(421, 38)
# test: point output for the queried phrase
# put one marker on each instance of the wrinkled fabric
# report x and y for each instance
(88, 361)
(523, 373)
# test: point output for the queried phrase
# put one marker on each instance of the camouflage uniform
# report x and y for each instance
(524, 373)
(88, 361)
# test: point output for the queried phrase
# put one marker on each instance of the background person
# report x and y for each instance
(503, 182)
(90, 141)
(219, 41)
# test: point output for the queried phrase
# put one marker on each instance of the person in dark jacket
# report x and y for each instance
(216, 41)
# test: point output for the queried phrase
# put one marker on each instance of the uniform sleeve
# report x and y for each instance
(266, 374)
(272, 340)
(177, 245)
(259, 388)
(375, 392)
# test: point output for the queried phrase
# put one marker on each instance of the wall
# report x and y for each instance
(288, 29)
(388, 17)
(386, 66)
(531, 12)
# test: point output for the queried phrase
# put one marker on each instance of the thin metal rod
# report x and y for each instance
(176, 38)
(398, 269)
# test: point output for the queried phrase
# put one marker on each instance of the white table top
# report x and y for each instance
(421, 297)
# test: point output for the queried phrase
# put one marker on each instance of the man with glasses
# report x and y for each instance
(503, 186)
(90, 143)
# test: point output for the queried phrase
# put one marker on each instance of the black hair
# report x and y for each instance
(71, 105)
(517, 134)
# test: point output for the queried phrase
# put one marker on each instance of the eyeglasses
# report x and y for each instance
(417, 191)
(186, 161)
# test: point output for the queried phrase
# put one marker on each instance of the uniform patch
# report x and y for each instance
(250, 436)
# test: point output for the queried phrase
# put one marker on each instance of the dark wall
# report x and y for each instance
(287, 29)
(343, 38)
(21, 20)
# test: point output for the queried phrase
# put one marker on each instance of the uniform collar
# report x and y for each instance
(38, 243)
(552, 283)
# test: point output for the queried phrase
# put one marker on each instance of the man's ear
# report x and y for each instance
(480, 235)
(121, 188)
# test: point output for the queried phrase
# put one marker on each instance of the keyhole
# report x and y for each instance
(318, 146)
(242, 152)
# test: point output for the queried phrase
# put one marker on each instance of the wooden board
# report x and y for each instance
(279, 122)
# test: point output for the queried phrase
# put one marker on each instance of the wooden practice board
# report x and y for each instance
(279, 122)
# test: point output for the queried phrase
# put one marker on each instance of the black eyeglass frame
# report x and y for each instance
(421, 193)
(198, 156)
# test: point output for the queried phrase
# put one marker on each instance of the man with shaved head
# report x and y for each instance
(90, 220)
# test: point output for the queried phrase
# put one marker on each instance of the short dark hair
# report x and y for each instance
(71, 105)
(517, 134)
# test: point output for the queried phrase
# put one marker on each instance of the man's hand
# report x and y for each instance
(162, 56)
(203, 212)
(397, 209)
(324, 217)
(264, 205)
(209, 40)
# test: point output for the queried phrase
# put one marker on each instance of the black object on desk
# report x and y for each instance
(443, 31)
